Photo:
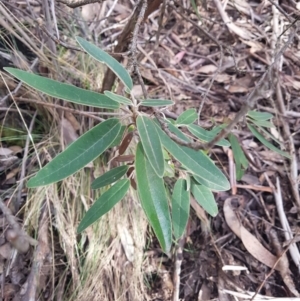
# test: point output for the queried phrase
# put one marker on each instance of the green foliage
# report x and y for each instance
(206, 136)
(105, 58)
(151, 144)
(187, 117)
(154, 158)
(156, 103)
(153, 198)
(241, 161)
(106, 201)
(118, 98)
(63, 91)
(261, 120)
(205, 198)
(180, 207)
(110, 177)
(81, 152)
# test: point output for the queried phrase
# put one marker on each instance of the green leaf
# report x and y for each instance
(106, 202)
(266, 142)
(187, 117)
(156, 103)
(64, 91)
(118, 98)
(153, 198)
(82, 151)
(260, 116)
(151, 144)
(205, 198)
(206, 136)
(239, 156)
(196, 162)
(180, 207)
(108, 60)
(177, 132)
(195, 7)
(263, 123)
(119, 138)
(110, 177)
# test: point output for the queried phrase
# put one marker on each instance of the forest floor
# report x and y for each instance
(211, 61)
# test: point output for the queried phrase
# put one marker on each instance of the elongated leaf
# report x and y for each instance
(110, 177)
(156, 103)
(205, 198)
(264, 123)
(177, 132)
(240, 159)
(118, 98)
(151, 144)
(106, 202)
(119, 138)
(195, 7)
(269, 135)
(108, 60)
(64, 91)
(187, 117)
(260, 116)
(196, 162)
(266, 142)
(153, 198)
(206, 136)
(180, 207)
(82, 151)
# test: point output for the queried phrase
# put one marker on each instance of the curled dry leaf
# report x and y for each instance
(251, 243)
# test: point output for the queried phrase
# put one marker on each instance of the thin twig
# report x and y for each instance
(15, 91)
(41, 255)
(78, 3)
(11, 220)
(23, 168)
(177, 267)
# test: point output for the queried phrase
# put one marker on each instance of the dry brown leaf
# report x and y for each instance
(223, 78)
(16, 149)
(208, 69)
(69, 133)
(71, 118)
(255, 46)
(147, 74)
(237, 89)
(290, 81)
(252, 245)
(271, 156)
(127, 242)
(200, 212)
(124, 144)
(12, 173)
(5, 250)
(178, 57)
(89, 11)
(5, 151)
